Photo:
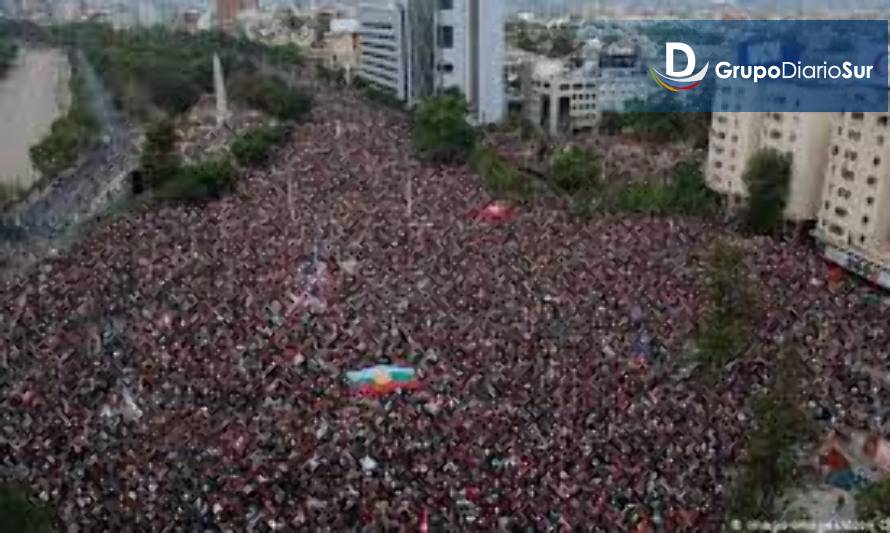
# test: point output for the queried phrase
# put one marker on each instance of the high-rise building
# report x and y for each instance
(735, 137)
(840, 177)
(414, 48)
(470, 53)
(854, 219)
(227, 11)
(394, 56)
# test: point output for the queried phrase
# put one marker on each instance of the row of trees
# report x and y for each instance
(8, 52)
(156, 75)
(163, 172)
(70, 136)
(537, 38)
(643, 120)
(444, 136)
(156, 71)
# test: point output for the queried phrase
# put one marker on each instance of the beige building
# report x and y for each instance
(854, 219)
(562, 100)
(339, 48)
(736, 136)
(805, 137)
(840, 177)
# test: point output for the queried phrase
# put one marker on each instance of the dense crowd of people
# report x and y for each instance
(185, 364)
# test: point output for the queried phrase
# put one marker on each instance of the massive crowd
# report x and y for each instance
(185, 364)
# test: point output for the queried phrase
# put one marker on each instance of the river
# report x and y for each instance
(33, 94)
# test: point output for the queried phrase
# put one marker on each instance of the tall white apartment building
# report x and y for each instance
(840, 177)
(854, 219)
(470, 54)
(414, 48)
(393, 54)
(736, 136)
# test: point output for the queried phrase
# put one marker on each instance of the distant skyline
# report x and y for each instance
(555, 7)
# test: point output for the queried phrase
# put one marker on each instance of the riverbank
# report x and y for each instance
(47, 218)
(34, 93)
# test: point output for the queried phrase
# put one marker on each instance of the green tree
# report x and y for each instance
(254, 147)
(768, 177)
(666, 126)
(498, 176)
(873, 502)
(70, 136)
(727, 327)
(575, 170)
(685, 194)
(563, 42)
(654, 126)
(159, 160)
(8, 52)
(611, 122)
(769, 465)
(208, 180)
(271, 95)
(525, 42)
(18, 513)
(442, 133)
(690, 194)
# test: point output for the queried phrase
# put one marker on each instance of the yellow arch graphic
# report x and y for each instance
(663, 84)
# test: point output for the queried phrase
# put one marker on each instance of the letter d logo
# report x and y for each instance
(670, 52)
(683, 80)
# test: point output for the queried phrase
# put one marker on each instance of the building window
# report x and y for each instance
(446, 4)
(446, 67)
(446, 36)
